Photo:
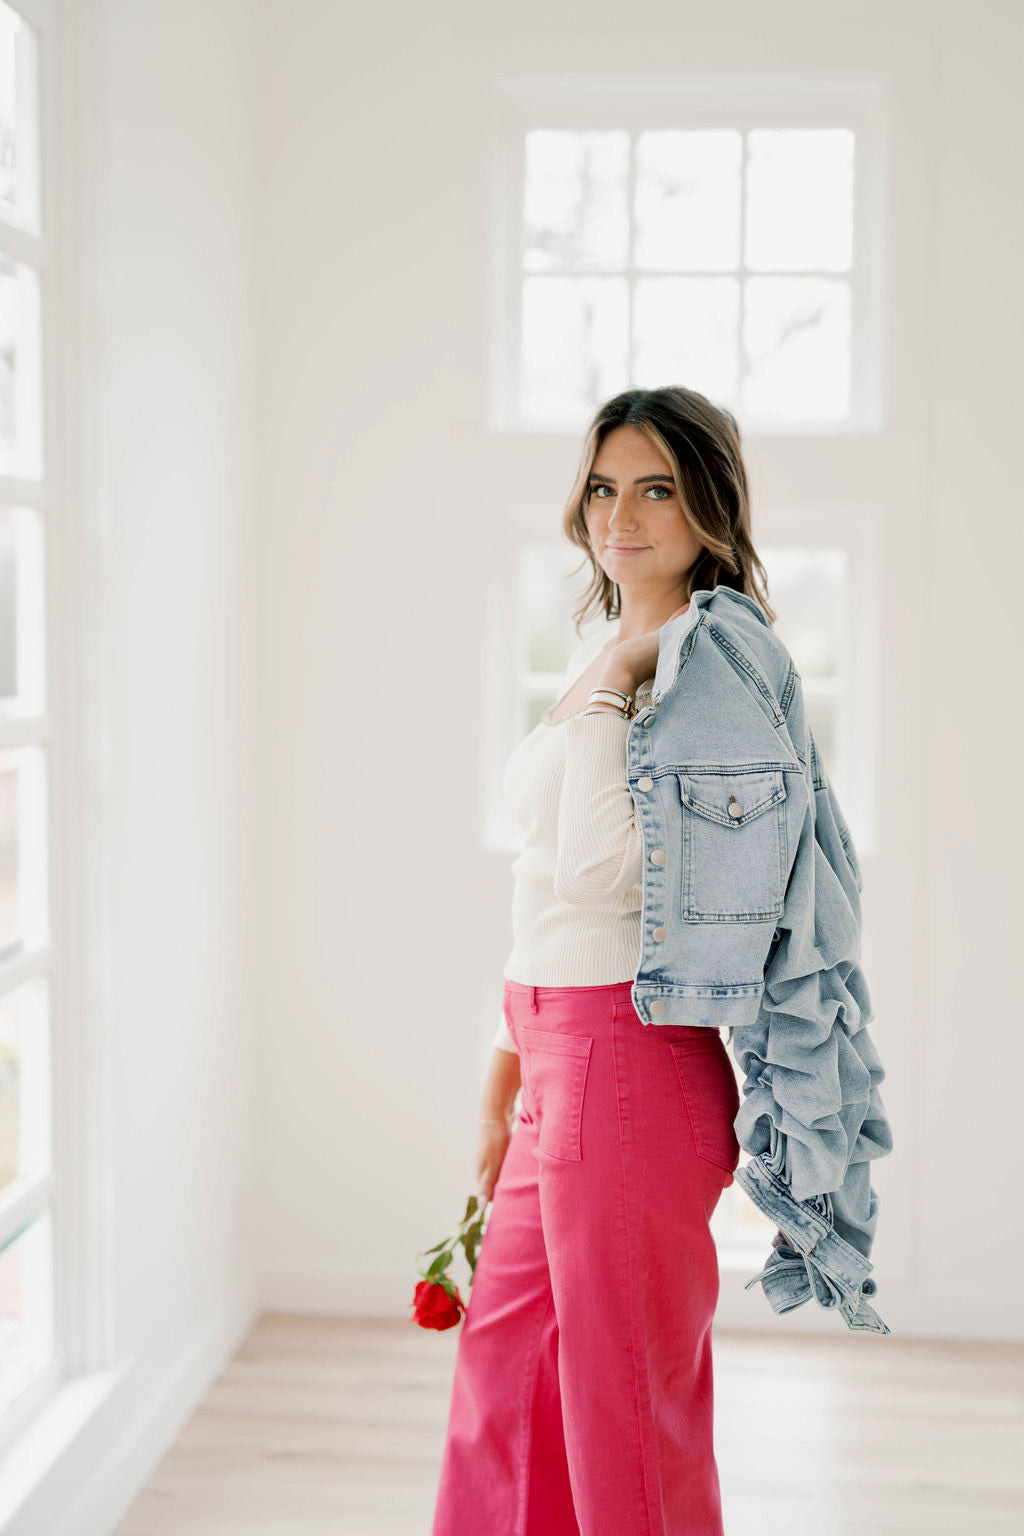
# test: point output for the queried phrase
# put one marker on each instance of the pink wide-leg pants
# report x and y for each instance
(582, 1402)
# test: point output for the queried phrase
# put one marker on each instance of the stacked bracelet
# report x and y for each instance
(602, 699)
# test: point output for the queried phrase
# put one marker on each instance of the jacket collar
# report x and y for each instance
(674, 633)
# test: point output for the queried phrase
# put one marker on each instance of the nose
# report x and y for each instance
(619, 520)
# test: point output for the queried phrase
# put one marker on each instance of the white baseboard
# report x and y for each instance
(947, 1316)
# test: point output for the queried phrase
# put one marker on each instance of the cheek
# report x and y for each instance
(690, 542)
(677, 536)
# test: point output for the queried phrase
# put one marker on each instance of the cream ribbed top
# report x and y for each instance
(577, 898)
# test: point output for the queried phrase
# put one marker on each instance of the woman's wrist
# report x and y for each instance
(498, 1096)
(614, 691)
(616, 674)
(489, 1115)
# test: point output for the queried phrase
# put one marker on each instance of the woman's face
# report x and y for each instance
(638, 529)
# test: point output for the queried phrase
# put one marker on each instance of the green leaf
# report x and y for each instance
(436, 1248)
(440, 1264)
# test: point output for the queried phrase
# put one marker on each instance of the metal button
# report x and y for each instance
(648, 719)
(658, 935)
(735, 809)
(645, 783)
(658, 856)
(658, 1007)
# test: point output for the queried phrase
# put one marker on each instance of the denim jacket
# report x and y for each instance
(751, 919)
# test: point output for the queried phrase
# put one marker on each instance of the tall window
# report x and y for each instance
(728, 238)
(27, 1180)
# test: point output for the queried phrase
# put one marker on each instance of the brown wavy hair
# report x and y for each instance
(701, 442)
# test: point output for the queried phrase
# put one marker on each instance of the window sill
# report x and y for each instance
(34, 1454)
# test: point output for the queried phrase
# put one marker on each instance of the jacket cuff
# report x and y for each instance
(815, 1260)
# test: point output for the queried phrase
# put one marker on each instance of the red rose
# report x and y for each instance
(435, 1307)
(437, 1302)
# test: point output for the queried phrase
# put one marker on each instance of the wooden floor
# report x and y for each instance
(334, 1427)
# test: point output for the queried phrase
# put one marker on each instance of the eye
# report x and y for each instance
(666, 491)
(597, 486)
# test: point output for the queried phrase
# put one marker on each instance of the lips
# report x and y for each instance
(626, 549)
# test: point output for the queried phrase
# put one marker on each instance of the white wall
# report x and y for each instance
(180, 492)
(969, 1236)
(382, 928)
(158, 201)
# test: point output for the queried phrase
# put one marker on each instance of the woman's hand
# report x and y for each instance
(632, 662)
(497, 1105)
(491, 1145)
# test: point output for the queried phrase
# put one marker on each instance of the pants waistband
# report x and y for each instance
(537, 994)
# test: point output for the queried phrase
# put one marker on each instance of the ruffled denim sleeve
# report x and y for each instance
(811, 1116)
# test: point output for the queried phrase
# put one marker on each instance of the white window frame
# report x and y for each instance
(71, 732)
(634, 105)
(854, 485)
(855, 529)
(27, 1201)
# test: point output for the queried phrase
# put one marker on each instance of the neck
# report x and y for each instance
(641, 613)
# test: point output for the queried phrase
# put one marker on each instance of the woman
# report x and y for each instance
(583, 1393)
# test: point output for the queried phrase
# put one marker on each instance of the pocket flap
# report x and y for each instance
(732, 799)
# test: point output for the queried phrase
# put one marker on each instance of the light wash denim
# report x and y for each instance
(751, 919)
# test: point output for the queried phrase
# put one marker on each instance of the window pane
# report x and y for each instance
(574, 344)
(688, 199)
(796, 336)
(748, 1222)
(25, 1149)
(22, 666)
(545, 598)
(26, 1308)
(807, 589)
(684, 332)
(19, 93)
(20, 397)
(536, 706)
(800, 199)
(23, 923)
(821, 717)
(575, 201)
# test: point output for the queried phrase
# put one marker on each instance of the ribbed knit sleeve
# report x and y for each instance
(600, 849)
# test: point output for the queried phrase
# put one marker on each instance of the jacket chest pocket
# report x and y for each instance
(734, 846)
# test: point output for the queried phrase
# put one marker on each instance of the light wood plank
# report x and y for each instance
(335, 1426)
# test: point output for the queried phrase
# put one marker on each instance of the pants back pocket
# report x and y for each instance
(556, 1068)
(711, 1096)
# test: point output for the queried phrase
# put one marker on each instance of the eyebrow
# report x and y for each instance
(641, 479)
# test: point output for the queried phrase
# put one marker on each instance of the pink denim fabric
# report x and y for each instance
(582, 1401)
